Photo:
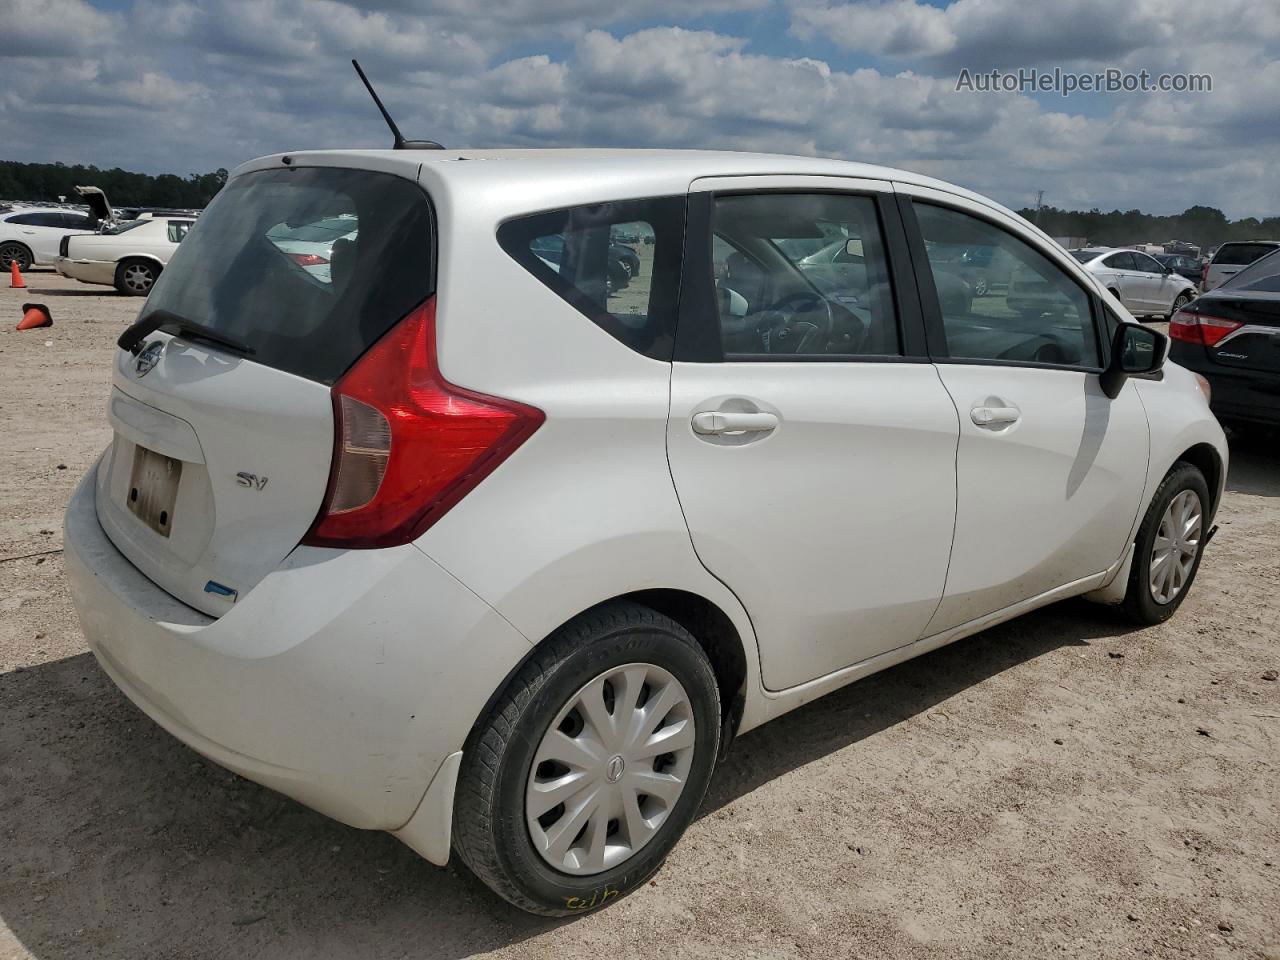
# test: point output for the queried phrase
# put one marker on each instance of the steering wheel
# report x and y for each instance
(784, 330)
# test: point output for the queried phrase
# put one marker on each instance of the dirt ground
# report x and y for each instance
(1062, 785)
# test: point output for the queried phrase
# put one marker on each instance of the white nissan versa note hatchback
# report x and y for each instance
(456, 542)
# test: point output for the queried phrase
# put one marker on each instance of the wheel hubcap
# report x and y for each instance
(610, 769)
(1173, 555)
(137, 278)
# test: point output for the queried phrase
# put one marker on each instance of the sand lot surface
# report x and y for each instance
(1062, 785)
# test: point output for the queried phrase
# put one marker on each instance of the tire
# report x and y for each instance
(11, 251)
(1180, 301)
(135, 278)
(980, 287)
(1141, 603)
(493, 824)
(617, 278)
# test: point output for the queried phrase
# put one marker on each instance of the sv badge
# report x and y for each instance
(251, 481)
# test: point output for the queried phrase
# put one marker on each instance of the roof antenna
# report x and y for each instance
(400, 143)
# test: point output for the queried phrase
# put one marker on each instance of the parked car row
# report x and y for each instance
(98, 246)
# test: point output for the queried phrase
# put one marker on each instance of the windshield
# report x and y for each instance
(313, 313)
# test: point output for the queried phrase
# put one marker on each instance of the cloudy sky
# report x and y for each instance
(169, 85)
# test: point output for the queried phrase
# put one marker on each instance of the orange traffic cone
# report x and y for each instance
(15, 275)
(34, 315)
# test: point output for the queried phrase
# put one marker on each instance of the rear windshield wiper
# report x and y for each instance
(132, 338)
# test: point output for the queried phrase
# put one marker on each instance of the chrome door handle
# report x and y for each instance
(717, 423)
(993, 416)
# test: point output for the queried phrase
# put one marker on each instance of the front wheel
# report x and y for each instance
(1180, 301)
(1168, 547)
(591, 764)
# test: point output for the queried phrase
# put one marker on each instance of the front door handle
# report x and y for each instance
(985, 416)
(717, 423)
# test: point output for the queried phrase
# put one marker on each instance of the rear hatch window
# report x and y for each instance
(307, 266)
(1239, 254)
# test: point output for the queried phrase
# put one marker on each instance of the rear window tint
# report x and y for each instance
(1238, 254)
(1262, 275)
(309, 307)
(617, 263)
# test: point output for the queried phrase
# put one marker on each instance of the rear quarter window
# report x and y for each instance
(617, 263)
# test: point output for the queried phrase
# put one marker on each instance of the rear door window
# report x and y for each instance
(236, 276)
(618, 264)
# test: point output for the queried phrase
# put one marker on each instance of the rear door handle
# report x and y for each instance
(985, 416)
(717, 423)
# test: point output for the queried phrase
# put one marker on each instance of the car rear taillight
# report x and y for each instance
(308, 259)
(1200, 328)
(408, 444)
(1204, 275)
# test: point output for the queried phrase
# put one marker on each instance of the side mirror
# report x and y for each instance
(1136, 351)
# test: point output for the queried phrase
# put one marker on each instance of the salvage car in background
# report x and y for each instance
(1232, 257)
(1231, 336)
(463, 545)
(1182, 265)
(128, 256)
(1144, 285)
(31, 235)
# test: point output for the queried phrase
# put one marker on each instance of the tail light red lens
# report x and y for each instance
(408, 444)
(1200, 328)
(308, 259)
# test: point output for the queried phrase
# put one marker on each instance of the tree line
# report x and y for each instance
(1204, 226)
(45, 182)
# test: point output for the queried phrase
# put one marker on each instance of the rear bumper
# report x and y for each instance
(87, 271)
(1248, 395)
(345, 679)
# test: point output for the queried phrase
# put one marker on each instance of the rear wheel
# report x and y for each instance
(591, 764)
(135, 278)
(12, 252)
(1167, 550)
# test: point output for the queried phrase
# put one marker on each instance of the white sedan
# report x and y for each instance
(1138, 280)
(128, 256)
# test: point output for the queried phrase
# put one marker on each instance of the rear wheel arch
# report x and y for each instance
(1209, 462)
(710, 625)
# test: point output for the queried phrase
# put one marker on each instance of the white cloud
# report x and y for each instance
(225, 80)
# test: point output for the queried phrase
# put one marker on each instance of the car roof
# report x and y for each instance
(562, 171)
(5, 213)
